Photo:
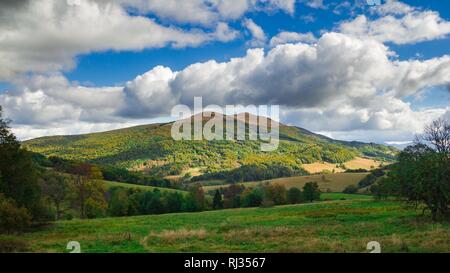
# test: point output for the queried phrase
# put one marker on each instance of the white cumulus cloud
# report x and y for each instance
(341, 84)
(285, 37)
(399, 24)
(42, 36)
(257, 33)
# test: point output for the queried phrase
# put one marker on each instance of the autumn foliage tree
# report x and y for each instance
(89, 193)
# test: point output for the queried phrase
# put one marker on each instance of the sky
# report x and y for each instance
(351, 70)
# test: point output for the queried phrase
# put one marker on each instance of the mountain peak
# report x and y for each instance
(245, 117)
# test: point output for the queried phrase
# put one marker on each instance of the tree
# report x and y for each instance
(423, 177)
(196, 198)
(294, 196)
(384, 187)
(118, 202)
(217, 200)
(133, 201)
(174, 202)
(232, 197)
(252, 197)
(311, 191)
(152, 202)
(438, 135)
(422, 174)
(96, 204)
(88, 195)
(80, 194)
(19, 175)
(95, 172)
(56, 189)
(275, 193)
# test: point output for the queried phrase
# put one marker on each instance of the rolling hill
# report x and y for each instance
(151, 148)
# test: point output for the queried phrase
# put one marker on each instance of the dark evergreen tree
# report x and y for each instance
(217, 200)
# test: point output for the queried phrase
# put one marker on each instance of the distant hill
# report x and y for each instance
(151, 148)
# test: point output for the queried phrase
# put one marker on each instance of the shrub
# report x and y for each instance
(12, 218)
(294, 196)
(12, 244)
(350, 189)
(95, 208)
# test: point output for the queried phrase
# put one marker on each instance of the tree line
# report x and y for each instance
(263, 195)
(254, 172)
(110, 173)
(128, 202)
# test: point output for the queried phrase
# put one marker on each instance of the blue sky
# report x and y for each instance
(115, 68)
(110, 68)
(38, 86)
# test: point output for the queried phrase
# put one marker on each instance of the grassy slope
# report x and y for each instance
(335, 226)
(356, 163)
(333, 182)
(110, 184)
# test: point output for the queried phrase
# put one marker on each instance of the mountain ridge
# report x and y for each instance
(150, 148)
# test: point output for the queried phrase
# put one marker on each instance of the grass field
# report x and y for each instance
(110, 184)
(362, 163)
(334, 226)
(344, 196)
(191, 171)
(320, 167)
(335, 182)
(356, 163)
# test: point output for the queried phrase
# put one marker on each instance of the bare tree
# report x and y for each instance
(438, 135)
(56, 188)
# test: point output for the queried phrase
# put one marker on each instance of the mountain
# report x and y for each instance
(151, 148)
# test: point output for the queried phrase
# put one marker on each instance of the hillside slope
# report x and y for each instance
(151, 147)
(333, 182)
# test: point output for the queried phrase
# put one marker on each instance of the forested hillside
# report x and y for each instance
(151, 148)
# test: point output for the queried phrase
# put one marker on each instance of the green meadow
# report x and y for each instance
(346, 223)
